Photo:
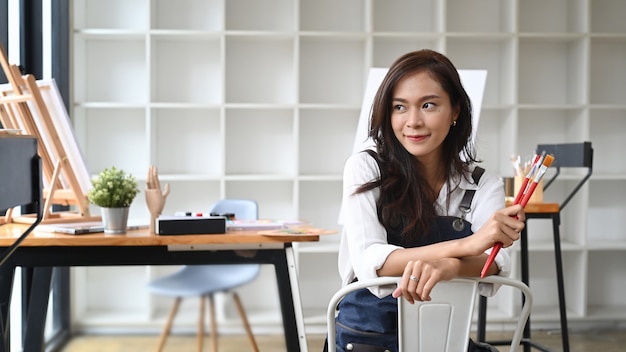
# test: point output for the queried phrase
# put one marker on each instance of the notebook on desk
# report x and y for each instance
(82, 228)
(262, 224)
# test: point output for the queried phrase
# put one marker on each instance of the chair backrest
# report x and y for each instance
(244, 209)
(569, 155)
(442, 324)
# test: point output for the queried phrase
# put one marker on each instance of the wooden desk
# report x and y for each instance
(43, 251)
(535, 211)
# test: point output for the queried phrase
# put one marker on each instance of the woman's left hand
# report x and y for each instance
(421, 276)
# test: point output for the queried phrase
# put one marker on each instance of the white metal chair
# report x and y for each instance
(442, 324)
(205, 280)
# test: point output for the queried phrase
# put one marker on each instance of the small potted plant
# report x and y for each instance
(113, 191)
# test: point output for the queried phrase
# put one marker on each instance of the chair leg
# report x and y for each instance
(168, 324)
(246, 325)
(201, 324)
(213, 322)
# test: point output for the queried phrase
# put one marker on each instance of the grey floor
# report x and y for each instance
(591, 341)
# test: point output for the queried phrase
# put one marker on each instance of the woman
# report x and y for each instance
(416, 205)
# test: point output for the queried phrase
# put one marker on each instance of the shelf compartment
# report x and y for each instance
(606, 132)
(332, 147)
(386, 49)
(188, 195)
(260, 70)
(327, 62)
(559, 16)
(332, 16)
(200, 152)
(607, 210)
(607, 72)
(607, 16)
(491, 144)
(112, 14)
(101, 287)
(187, 71)
(407, 16)
(551, 71)
(542, 269)
(573, 216)
(494, 55)
(273, 15)
(104, 63)
(549, 126)
(260, 142)
(605, 288)
(487, 16)
(573, 220)
(203, 15)
(319, 203)
(275, 198)
(322, 279)
(113, 137)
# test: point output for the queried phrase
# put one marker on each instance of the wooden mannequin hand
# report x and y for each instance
(155, 199)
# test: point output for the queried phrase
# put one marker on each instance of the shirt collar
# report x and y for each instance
(464, 182)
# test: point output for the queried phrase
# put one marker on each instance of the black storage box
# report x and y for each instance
(190, 225)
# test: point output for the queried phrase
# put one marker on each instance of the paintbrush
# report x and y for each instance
(529, 176)
(526, 192)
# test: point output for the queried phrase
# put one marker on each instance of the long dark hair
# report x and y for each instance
(406, 200)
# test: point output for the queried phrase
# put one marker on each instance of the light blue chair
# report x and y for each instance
(205, 280)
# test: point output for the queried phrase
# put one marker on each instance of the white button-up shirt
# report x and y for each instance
(364, 247)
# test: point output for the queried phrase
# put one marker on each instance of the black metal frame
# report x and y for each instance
(42, 259)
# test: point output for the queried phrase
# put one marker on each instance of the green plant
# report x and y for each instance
(113, 188)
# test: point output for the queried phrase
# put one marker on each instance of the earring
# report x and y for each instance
(453, 123)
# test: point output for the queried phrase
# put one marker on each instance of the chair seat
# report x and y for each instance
(197, 280)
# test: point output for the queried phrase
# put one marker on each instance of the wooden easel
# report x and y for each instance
(23, 107)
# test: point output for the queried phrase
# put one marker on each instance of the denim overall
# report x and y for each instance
(370, 324)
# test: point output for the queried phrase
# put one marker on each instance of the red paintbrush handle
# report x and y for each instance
(523, 202)
(528, 194)
(498, 245)
(521, 192)
(492, 257)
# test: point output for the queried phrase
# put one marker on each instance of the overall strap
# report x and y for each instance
(466, 202)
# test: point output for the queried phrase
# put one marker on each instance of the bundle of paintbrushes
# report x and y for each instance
(538, 169)
(522, 165)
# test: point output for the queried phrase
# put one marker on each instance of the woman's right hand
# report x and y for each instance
(503, 226)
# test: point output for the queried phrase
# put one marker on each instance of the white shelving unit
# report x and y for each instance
(261, 99)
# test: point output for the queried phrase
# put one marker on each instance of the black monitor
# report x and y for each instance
(18, 161)
(20, 180)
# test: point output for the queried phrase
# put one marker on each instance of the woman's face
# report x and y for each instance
(421, 116)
